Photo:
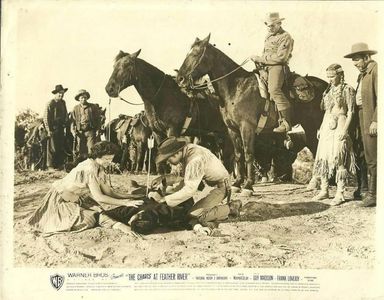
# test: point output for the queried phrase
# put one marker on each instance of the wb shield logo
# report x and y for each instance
(57, 281)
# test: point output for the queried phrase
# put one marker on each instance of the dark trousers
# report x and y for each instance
(370, 147)
(370, 153)
(55, 148)
(85, 141)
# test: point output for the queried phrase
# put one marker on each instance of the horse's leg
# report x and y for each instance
(139, 151)
(248, 138)
(239, 158)
(228, 154)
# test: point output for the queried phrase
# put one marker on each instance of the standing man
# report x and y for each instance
(278, 46)
(86, 123)
(55, 121)
(366, 103)
(198, 163)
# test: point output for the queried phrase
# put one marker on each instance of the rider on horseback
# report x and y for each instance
(278, 47)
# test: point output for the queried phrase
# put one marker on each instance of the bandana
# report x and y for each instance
(334, 69)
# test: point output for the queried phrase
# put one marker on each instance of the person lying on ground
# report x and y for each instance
(77, 202)
(198, 164)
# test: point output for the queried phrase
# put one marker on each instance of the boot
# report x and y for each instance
(284, 122)
(370, 199)
(323, 190)
(339, 197)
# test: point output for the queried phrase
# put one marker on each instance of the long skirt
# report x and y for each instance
(58, 215)
(333, 152)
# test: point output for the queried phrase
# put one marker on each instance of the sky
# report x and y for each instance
(74, 43)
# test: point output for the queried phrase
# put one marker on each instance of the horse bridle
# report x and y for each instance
(205, 85)
(136, 79)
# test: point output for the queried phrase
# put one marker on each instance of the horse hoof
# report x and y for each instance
(264, 180)
(246, 193)
(235, 189)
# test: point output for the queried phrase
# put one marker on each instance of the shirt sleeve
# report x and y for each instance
(374, 75)
(283, 52)
(194, 173)
(350, 99)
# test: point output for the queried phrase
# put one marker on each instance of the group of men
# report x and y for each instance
(277, 52)
(83, 122)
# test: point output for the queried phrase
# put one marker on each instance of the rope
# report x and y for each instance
(205, 85)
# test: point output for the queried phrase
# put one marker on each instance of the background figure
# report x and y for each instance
(86, 124)
(334, 152)
(55, 121)
(366, 102)
(278, 46)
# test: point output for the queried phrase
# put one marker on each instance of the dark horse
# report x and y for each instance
(170, 112)
(243, 105)
(35, 146)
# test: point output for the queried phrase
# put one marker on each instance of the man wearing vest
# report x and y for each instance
(278, 46)
(366, 103)
(55, 120)
(86, 122)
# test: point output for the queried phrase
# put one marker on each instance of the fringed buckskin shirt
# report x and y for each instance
(198, 164)
(277, 48)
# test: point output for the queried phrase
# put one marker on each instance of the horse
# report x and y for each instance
(243, 105)
(170, 112)
(35, 148)
(139, 151)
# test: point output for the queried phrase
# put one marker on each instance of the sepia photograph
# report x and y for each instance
(195, 136)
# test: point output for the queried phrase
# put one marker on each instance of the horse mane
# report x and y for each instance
(228, 60)
(120, 55)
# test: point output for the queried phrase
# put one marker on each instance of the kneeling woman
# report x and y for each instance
(334, 152)
(74, 203)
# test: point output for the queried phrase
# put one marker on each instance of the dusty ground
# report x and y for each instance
(279, 227)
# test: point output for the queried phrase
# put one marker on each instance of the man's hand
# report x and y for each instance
(256, 58)
(373, 129)
(131, 203)
(156, 196)
(157, 181)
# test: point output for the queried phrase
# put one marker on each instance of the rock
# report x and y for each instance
(262, 241)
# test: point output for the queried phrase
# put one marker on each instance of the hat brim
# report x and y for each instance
(351, 55)
(85, 93)
(60, 91)
(163, 157)
(267, 22)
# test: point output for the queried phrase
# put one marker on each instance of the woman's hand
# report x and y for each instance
(131, 203)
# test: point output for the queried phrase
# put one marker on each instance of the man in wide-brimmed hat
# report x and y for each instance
(198, 164)
(366, 103)
(85, 123)
(278, 46)
(55, 121)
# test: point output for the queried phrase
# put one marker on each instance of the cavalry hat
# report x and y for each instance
(82, 92)
(169, 147)
(272, 18)
(59, 89)
(360, 48)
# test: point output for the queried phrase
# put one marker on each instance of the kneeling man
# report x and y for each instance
(198, 164)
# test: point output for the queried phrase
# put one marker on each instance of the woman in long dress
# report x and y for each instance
(334, 152)
(75, 203)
